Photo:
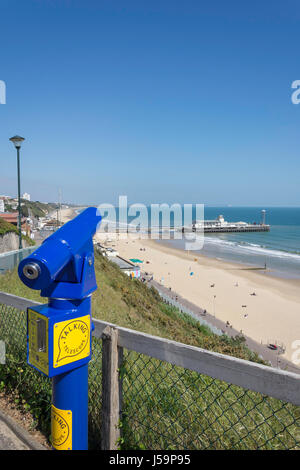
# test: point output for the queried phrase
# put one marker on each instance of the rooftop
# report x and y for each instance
(11, 217)
(123, 263)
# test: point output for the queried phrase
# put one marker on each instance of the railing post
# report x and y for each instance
(112, 357)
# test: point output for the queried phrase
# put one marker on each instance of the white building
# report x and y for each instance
(2, 205)
(219, 222)
(26, 196)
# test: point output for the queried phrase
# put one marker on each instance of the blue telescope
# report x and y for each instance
(59, 334)
(62, 266)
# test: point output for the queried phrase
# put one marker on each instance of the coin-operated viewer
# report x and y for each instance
(59, 333)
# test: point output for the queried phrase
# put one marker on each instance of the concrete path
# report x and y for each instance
(9, 440)
(15, 437)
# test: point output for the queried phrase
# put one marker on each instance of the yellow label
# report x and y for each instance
(61, 428)
(38, 356)
(71, 340)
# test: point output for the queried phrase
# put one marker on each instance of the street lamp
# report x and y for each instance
(17, 141)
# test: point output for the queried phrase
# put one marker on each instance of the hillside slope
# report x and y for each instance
(36, 208)
(131, 304)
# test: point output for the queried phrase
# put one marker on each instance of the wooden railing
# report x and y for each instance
(266, 380)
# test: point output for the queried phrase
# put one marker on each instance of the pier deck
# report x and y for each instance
(228, 229)
(246, 228)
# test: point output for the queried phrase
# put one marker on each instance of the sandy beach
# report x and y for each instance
(67, 214)
(225, 290)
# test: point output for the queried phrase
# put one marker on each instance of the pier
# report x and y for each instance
(190, 229)
(244, 228)
(220, 225)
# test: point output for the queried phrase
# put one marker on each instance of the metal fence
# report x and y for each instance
(147, 392)
(183, 308)
(10, 259)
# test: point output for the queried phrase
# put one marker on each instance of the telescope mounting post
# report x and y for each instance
(59, 333)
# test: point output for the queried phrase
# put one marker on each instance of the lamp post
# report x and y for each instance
(17, 141)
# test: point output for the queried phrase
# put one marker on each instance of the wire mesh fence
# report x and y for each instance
(182, 308)
(169, 407)
(9, 260)
(163, 406)
(95, 395)
(34, 387)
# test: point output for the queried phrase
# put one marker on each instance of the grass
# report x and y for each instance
(164, 407)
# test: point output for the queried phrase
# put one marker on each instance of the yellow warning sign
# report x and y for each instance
(61, 428)
(71, 340)
(38, 341)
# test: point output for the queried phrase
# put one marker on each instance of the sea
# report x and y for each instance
(278, 249)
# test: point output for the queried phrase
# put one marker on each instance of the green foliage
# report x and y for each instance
(36, 208)
(30, 390)
(6, 227)
(28, 240)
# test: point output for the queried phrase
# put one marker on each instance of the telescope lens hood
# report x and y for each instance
(42, 267)
(31, 270)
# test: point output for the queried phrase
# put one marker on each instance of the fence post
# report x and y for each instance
(111, 389)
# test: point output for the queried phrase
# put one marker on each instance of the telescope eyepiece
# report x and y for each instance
(31, 271)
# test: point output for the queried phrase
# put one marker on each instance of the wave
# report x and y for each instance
(253, 248)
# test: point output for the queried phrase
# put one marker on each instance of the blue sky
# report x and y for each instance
(163, 101)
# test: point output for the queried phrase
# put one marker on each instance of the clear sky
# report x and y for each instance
(163, 101)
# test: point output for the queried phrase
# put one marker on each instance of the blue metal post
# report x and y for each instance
(70, 390)
(60, 332)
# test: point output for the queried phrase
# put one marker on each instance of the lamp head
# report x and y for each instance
(17, 141)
